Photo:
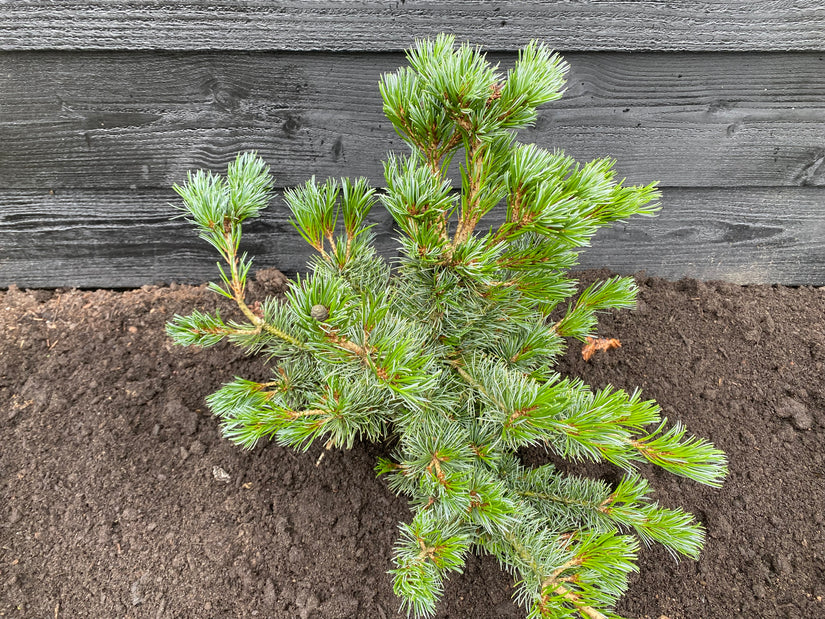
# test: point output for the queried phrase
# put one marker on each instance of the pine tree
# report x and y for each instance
(451, 347)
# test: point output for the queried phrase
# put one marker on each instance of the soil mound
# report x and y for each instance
(120, 499)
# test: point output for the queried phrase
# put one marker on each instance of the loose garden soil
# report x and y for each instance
(119, 498)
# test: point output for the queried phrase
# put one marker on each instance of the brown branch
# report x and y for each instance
(469, 216)
(306, 413)
(436, 464)
(587, 611)
(553, 580)
(346, 344)
(239, 293)
(364, 352)
(517, 414)
(554, 583)
(427, 552)
(225, 331)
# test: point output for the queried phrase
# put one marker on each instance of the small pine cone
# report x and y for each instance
(319, 313)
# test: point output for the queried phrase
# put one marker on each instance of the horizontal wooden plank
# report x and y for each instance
(380, 25)
(745, 236)
(140, 120)
(126, 239)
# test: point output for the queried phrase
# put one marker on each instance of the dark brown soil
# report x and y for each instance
(112, 506)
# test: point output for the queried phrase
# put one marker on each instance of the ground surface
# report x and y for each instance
(111, 504)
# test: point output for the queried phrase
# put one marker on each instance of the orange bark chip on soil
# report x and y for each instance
(594, 344)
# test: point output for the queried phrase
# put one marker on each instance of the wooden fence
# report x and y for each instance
(105, 103)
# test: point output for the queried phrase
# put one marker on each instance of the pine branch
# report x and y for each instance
(451, 348)
(693, 457)
(199, 329)
(580, 319)
(571, 503)
(424, 554)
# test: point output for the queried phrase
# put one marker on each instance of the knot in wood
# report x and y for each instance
(319, 313)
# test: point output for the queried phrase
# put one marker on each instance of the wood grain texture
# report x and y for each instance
(126, 239)
(141, 120)
(374, 25)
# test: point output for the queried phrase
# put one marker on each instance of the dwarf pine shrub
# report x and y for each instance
(451, 347)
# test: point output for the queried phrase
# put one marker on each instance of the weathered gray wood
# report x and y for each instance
(130, 238)
(745, 236)
(120, 120)
(126, 239)
(373, 25)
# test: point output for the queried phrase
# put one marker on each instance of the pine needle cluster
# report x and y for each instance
(451, 347)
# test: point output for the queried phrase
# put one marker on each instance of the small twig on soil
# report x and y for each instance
(323, 453)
